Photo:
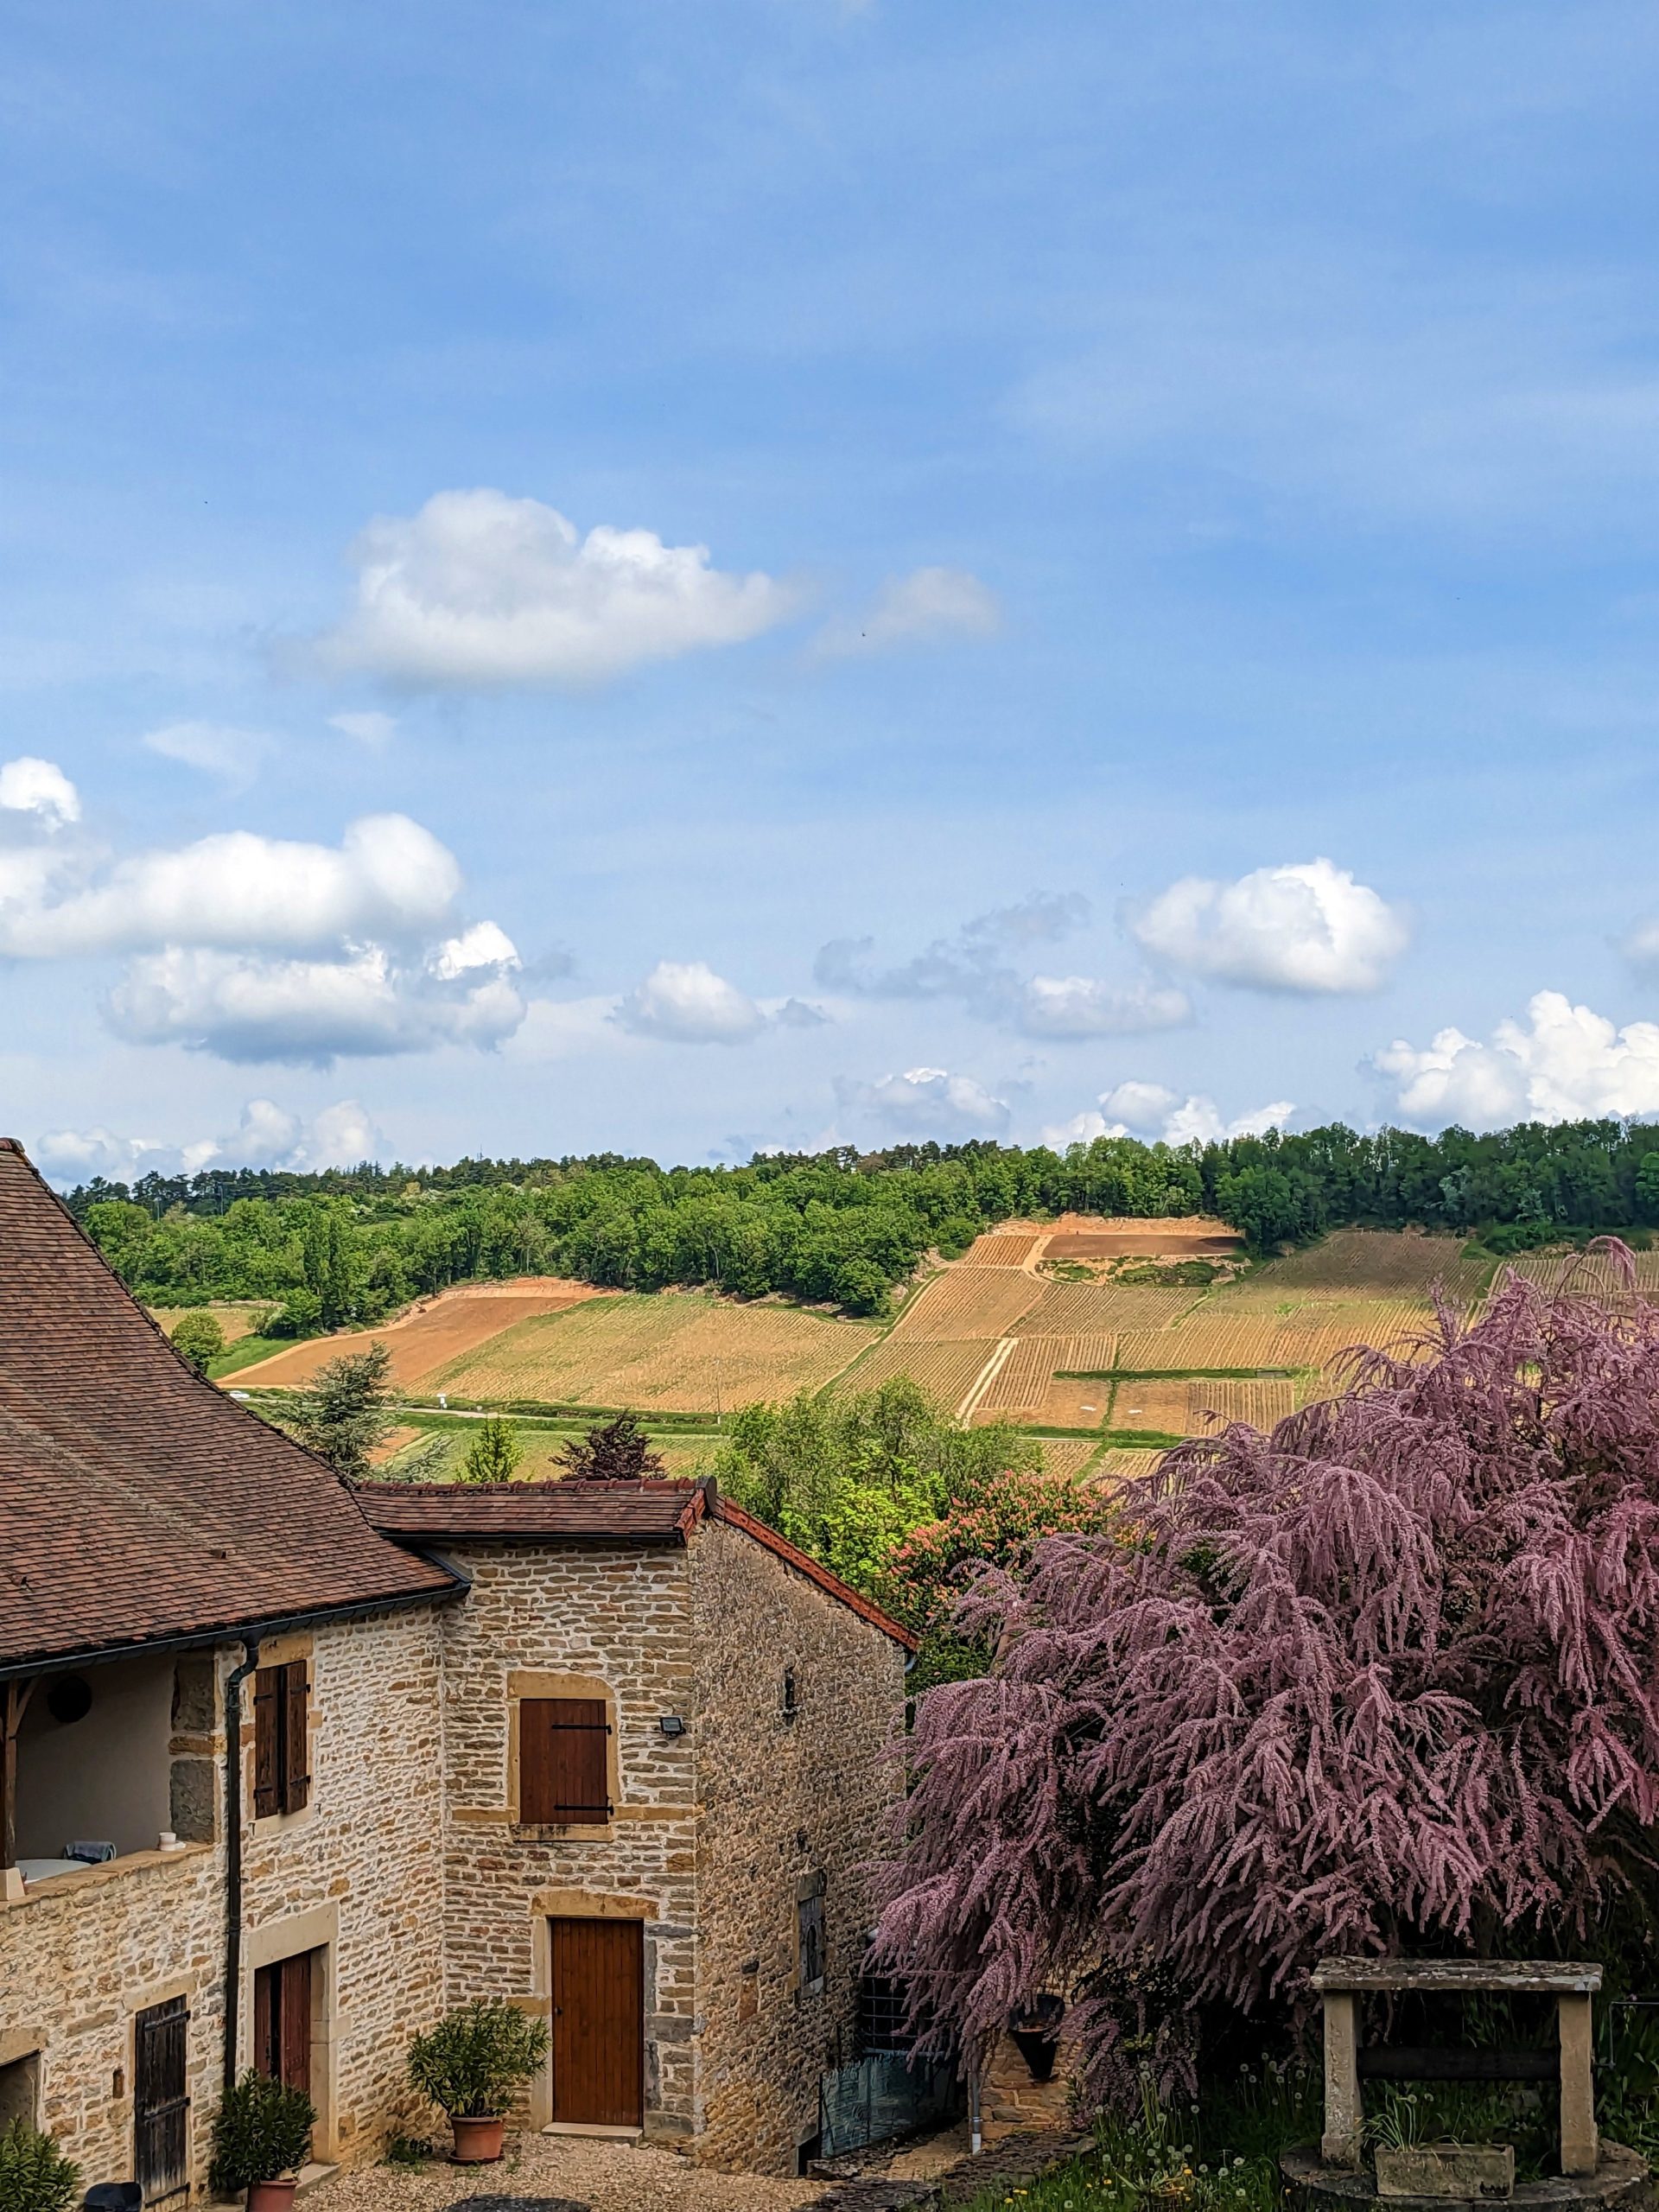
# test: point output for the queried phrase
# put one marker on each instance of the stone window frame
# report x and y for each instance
(525, 1683)
(318, 1932)
(283, 1652)
(18, 2046)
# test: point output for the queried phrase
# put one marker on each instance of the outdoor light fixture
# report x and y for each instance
(671, 1724)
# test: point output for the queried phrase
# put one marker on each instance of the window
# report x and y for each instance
(564, 1762)
(810, 1931)
(790, 1703)
(282, 1761)
(282, 2019)
(19, 2090)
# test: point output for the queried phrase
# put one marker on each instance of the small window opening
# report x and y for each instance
(809, 1912)
(789, 1704)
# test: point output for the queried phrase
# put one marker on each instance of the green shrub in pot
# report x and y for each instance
(477, 2058)
(34, 2176)
(262, 2130)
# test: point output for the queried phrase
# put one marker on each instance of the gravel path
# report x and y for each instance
(560, 2173)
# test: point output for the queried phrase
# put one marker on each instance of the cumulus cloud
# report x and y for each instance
(265, 1136)
(258, 948)
(685, 1002)
(925, 607)
(39, 788)
(1150, 1110)
(1562, 1063)
(480, 588)
(219, 749)
(980, 969)
(928, 1102)
(1304, 928)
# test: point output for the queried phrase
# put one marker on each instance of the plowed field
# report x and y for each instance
(1365, 1263)
(1070, 1403)
(1260, 1404)
(946, 1370)
(1159, 1406)
(993, 1250)
(453, 1325)
(1068, 1309)
(967, 1302)
(682, 1354)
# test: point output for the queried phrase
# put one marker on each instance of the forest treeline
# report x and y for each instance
(837, 1227)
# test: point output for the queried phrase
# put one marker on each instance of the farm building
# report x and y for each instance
(288, 1769)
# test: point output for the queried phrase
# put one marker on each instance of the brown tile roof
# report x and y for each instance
(139, 1505)
(586, 1513)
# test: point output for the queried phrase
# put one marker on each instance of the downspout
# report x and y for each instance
(233, 1682)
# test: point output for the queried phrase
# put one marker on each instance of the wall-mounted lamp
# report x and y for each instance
(671, 1724)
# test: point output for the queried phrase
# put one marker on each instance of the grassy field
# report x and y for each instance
(680, 1351)
(235, 1320)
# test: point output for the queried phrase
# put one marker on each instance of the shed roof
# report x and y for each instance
(139, 1504)
(572, 1512)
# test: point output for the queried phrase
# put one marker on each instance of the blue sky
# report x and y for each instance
(1174, 640)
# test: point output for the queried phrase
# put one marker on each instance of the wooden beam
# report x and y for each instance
(16, 1704)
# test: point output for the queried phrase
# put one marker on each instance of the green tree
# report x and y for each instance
(619, 1450)
(34, 2176)
(492, 1454)
(197, 1339)
(343, 1415)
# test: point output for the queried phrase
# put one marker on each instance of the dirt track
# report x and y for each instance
(455, 1322)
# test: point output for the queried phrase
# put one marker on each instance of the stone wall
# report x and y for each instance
(789, 1805)
(548, 1620)
(357, 1870)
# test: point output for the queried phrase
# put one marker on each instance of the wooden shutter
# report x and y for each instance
(562, 1767)
(268, 1698)
(296, 1738)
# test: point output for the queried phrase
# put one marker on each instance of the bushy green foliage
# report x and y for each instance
(615, 1450)
(262, 2129)
(197, 1339)
(474, 2061)
(848, 1477)
(492, 1454)
(342, 1415)
(34, 2176)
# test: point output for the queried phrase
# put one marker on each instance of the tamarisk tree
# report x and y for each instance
(1386, 1677)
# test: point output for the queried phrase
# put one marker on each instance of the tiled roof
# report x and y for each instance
(139, 1505)
(588, 1513)
(574, 1512)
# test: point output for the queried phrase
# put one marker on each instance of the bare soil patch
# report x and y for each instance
(455, 1322)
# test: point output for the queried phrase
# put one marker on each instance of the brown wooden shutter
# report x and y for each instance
(268, 1698)
(296, 1738)
(562, 1761)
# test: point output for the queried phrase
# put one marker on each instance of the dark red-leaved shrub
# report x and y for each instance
(1384, 1678)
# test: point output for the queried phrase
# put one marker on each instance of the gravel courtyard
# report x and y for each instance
(542, 2173)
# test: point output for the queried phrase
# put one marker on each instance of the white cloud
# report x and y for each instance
(922, 608)
(243, 1007)
(40, 788)
(237, 888)
(481, 589)
(370, 728)
(1149, 1110)
(258, 948)
(685, 1002)
(217, 748)
(928, 1102)
(1563, 1063)
(1308, 927)
(977, 968)
(266, 1136)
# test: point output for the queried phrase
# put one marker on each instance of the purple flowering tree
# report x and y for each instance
(1386, 1677)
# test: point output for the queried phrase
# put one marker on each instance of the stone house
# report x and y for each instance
(612, 1751)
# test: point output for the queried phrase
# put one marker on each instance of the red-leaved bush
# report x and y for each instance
(1387, 1677)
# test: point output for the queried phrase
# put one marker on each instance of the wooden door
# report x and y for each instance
(282, 2020)
(599, 2026)
(161, 2106)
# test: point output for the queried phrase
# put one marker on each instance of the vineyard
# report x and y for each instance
(967, 1302)
(946, 1369)
(997, 1249)
(1592, 1272)
(1068, 1309)
(1355, 1264)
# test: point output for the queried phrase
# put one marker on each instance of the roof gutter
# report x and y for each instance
(236, 1631)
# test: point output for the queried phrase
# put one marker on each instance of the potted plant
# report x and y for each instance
(34, 2176)
(262, 2137)
(473, 2064)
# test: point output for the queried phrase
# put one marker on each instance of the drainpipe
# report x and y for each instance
(233, 1682)
(975, 2133)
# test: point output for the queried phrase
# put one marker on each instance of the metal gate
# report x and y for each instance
(886, 2093)
(161, 2107)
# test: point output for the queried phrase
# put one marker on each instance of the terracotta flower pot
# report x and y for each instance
(478, 2142)
(272, 2195)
